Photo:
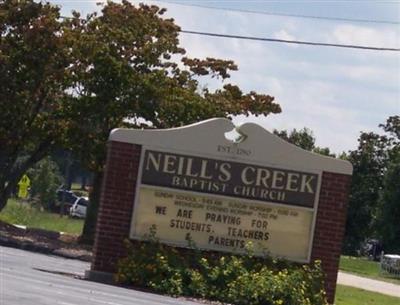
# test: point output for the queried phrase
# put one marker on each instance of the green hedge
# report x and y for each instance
(235, 279)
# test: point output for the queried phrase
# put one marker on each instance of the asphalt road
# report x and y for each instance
(28, 278)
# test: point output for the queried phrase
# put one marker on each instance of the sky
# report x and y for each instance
(335, 92)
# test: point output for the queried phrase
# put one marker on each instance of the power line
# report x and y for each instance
(322, 44)
(292, 41)
(283, 14)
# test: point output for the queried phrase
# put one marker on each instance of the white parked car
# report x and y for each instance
(79, 207)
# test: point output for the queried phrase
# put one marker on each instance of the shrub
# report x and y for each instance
(235, 279)
(45, 181)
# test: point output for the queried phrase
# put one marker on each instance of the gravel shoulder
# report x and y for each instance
(44, 241)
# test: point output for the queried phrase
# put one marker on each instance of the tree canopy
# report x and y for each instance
(303, 138)
(389, 209)
(69, 82)
(34, 65)
(129, 65)
(375, 154)
(131, 68)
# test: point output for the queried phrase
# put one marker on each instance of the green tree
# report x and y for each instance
(45, 179)
(303, 138)
(128, 70)
(70, 82)
(370, 162)
(388, 216)
(325, 151)
(389, 209)
(34, 63)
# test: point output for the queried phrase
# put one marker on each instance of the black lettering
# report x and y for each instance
(184, 213)
(161, 210)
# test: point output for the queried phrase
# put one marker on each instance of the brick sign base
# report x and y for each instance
(118, 197)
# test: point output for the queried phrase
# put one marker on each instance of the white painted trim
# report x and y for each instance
(205, 137)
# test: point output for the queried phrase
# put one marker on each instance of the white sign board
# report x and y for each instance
(194, 182)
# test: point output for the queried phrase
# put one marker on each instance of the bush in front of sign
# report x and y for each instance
(153, 265)
(235, 279)
(231, 279)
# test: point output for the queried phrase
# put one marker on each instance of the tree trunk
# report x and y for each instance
(3, 200)
(83, 182)
(8, 188)
(89, 227)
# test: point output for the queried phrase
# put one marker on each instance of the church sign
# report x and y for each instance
(195, 185)
(225, 206)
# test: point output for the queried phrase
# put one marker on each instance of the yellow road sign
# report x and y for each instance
(23, 186)
(23, 192)
(24, 181)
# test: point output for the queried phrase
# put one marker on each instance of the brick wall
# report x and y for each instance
(116, 205)
(118, 195)
(330, 226)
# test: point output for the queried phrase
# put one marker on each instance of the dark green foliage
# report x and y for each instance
(371, 160)
(128, 64)
(389, 210)
(45, 179)
(34, 65)
(304, 139)
(240, 280)
(325, 151)
(69, 82)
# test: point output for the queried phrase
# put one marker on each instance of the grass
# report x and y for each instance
(22, 213)
(353, 296)
(366, 268)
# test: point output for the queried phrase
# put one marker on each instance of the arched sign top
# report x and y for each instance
(255, 144)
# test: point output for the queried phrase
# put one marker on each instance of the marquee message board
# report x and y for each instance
(225, 206)
(193, 183)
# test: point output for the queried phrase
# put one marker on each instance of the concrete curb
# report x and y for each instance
(46, 233)
(100, 277)
(65, 254)
(24, 245)
(41, 248)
